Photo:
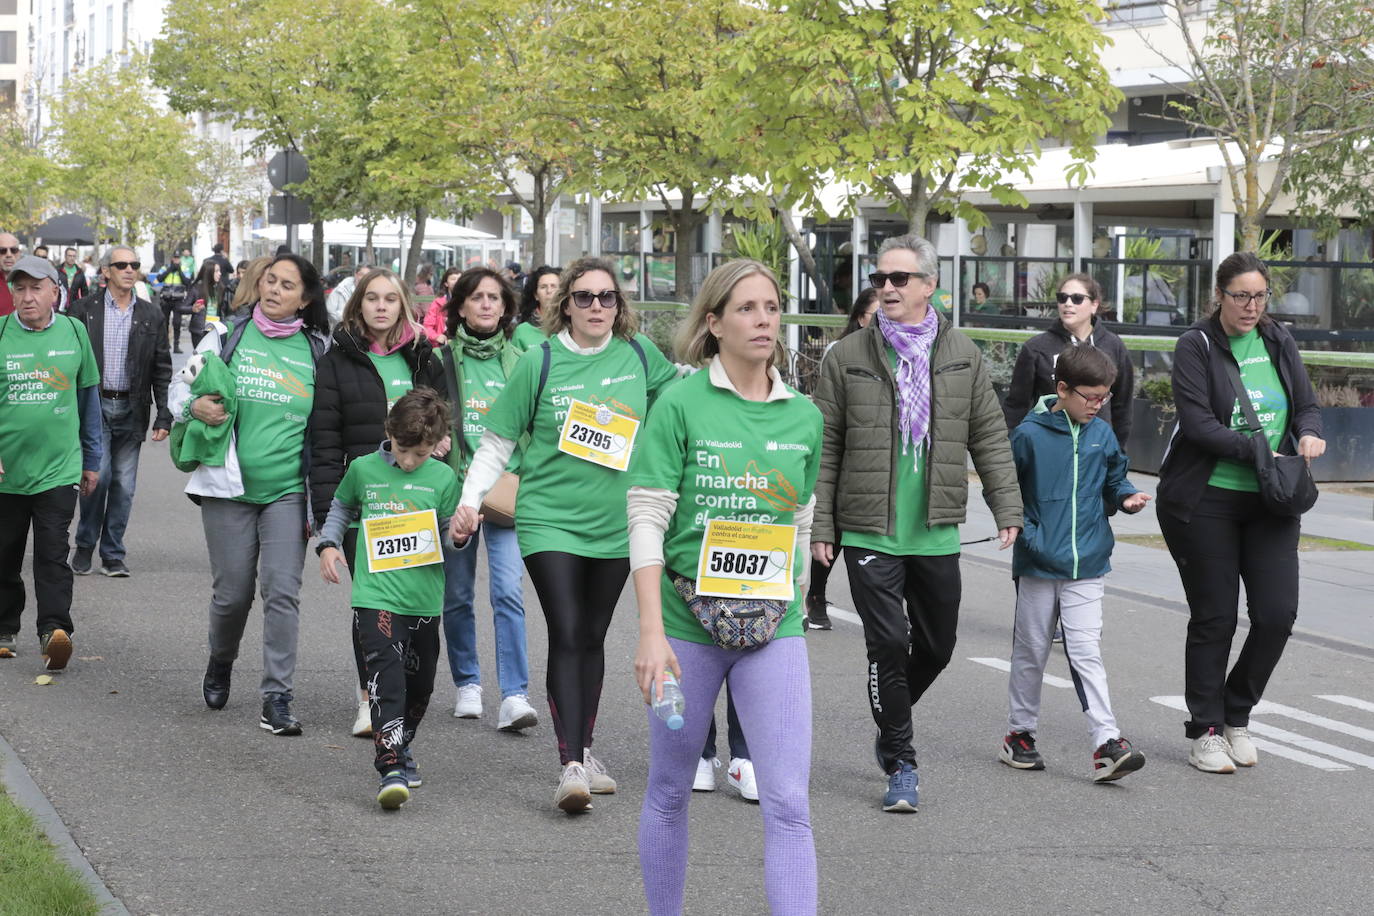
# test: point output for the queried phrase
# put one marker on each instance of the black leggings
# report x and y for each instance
(578, 595)
(1232, 538)
(350, 547)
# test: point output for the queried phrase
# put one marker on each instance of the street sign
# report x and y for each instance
(287, 167)
(285, 210)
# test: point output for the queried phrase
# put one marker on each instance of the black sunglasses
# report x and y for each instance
(9, 250)
(122, 265)
(899, 278)
(1078, 298)
(608, 298)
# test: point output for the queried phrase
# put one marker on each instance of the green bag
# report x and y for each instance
(195, 442)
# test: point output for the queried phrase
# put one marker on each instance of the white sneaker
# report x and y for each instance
(573, 793)
(705, 780)
(469, 705)
(516, 713)
(1242, 749)
(1211, 753)
(740, 777)
(600, 781)
(362, 722)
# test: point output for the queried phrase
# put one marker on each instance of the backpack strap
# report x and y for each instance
(543, 380)
(643, 359)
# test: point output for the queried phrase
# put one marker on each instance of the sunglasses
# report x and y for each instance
(583, 299)
(1078, 298)
(125, 265)
(9, 250)
(899, 278)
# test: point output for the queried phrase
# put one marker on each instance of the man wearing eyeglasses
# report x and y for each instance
(906, 400)
(9, 254)
(49, 453)
(129, 337)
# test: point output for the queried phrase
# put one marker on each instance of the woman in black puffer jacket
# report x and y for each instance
(378, 355)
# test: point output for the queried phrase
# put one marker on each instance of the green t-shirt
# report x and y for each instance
(911, 536)
(1271, 409)
(376, 487)
(565, 503)
(396, 376)
(483, 382)
(726, 458)
(276, 390)
(527, 335)
(40, 427)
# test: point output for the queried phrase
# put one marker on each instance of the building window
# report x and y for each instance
(1133, 10)
(8, 90)
(109, 30)
(9, 7)
(9, 47)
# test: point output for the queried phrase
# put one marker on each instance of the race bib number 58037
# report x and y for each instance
(746, 560)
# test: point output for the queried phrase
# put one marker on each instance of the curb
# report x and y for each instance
(26, 794)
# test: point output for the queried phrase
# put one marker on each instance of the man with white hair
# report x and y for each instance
(49, 452)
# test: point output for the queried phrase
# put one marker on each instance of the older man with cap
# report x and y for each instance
(49, 453)
(129, 338)
(9, 254)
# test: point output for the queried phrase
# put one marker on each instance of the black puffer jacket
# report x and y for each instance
(1033, 377)
(349, 417)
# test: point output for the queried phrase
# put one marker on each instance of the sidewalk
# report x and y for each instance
(1336, 587)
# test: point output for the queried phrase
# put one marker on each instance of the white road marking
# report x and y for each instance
(847, 616)
(1312, 760)
(1001, 664)
(1261, 731)
(1265, 708)
(1347, 701)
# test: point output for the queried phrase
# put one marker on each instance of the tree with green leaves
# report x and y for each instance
(30, 184)
(1286, 88)
(917, 101)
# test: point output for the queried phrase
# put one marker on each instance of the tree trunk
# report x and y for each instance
(1250, 231)
(685, 222)
(417, 242)
(917, 206)
(808, 261)
(317, 244)
(369, 251)
(539, 213)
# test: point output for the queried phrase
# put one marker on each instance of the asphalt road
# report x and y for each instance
(186, 811)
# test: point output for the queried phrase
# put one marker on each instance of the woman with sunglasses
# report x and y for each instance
(581, 396)
(1210, 511)
(1079, 298)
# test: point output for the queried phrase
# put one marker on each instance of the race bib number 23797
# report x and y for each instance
(402, 541)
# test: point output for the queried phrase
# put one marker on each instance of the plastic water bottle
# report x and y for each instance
(671, 707)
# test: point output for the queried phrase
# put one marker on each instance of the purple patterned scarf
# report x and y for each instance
(912, 343)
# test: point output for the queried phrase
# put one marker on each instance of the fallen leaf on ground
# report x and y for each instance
(43, 680)
(334, 747)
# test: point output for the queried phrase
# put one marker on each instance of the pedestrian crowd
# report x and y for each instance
(401, 435)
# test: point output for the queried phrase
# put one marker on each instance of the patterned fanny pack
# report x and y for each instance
(734, 623)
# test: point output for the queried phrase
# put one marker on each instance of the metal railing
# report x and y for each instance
(1154, 293)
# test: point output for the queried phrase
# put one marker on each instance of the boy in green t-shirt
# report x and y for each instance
(402, 501)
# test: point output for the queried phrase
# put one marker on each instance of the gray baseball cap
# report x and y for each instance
(34, 266)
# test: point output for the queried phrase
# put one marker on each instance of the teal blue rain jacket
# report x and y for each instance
(1072, 477)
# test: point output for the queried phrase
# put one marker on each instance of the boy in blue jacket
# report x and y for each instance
(1073, 475)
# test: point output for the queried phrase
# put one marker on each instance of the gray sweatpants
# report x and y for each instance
(247, 543)
(1080, 610)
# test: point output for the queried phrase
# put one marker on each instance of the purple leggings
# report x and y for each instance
(772, 691)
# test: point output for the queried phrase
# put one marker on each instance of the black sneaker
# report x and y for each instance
(393, 791)
(816, 616)
(215, 685)
(9, 646)
(1115, 759)
(81, 560)
(411, 770)
(276, 716)
(115, 569)
(1018, 750)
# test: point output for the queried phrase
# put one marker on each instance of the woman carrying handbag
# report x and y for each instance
(1220, 509)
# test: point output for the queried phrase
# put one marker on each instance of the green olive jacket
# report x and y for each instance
(861, 446)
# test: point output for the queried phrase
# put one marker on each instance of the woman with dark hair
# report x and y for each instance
(541, 289)
(436, 316)
(255, 507)
(477, 360)
(209, 293)
(1210, 512)
(570, 513)
(378, 355)
(1079, 298)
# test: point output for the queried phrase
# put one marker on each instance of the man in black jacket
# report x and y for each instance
(73, 277)
(129, 337)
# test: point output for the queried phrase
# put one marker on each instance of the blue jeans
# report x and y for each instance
(506, 580)
(105, 513)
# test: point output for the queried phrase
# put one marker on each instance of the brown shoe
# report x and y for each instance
(56, 649)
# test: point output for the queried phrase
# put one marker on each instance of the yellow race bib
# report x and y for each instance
(746, 560)
(599, 435)
(402, 541)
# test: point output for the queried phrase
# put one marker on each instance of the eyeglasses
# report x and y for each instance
(9, 250)
(1093, 402)
(125, 265)
(899, 278)
(1243, 298)
(607, 297)
(1078, 298)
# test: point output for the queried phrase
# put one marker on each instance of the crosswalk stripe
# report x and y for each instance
(847, 616)
(1265, 708)
(1262, 731)
(1347, 701)
(1312, 760)
(1002, 664)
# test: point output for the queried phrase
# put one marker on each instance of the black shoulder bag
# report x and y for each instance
(1285, 481)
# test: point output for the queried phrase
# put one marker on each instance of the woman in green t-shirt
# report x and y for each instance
(540, 293)
(378, 355)
(729, 444)
(255, 507)
(580, 396)
(482, 356)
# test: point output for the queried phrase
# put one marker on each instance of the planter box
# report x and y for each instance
(1147, 443)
